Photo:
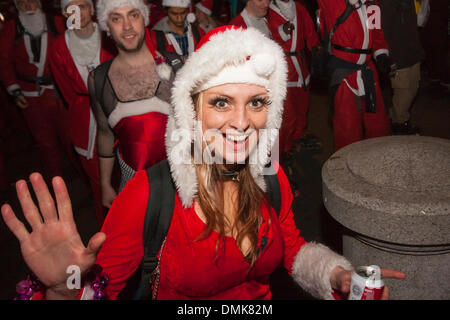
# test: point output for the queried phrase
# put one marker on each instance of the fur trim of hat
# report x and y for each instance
(176, 3)
(221, 50)
(104, 8)
(65, 3)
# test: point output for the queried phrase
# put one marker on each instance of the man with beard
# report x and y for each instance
(292, 27)
(130, 94)
(358, 107)
(73, 56)
(176, 32)
(25, 72)
(254, 15)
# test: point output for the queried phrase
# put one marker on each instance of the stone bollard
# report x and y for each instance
(392, 195)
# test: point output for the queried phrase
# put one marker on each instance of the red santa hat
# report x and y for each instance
(176, 3)
(65, 3)
(224, 55)
(104, 8)
(205, 6)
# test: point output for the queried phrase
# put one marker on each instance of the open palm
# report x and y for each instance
(54, 243)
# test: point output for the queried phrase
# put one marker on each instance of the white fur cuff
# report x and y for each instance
(312, 269)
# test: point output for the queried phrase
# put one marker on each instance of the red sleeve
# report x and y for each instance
(123, 250)
(7, 36)
(308, 28)
(60, 24)
(59, 71)
(291, 235)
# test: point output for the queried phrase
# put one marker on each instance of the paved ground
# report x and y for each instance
(431, 113)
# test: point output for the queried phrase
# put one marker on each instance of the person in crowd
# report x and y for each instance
(25, 45)
(156, 10)
(399, 21)
(358, 108)
(254, 15)
(434, 36)
(176, 33)
(203, 12)
(225, 238)
(292, 28)
(129, 95)
(73, 55)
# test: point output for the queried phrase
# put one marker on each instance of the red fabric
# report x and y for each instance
(351, 125)
(306, 38)
(73, 89)
(14, 58)
(188, 268)
(295, 117)
(142, 139)
(47, 120)
(238, 21)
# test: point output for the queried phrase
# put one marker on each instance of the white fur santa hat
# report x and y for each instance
(104, 8)
(180, 4)
(65, 3)
(205, 6)
(224, 55)
(15, 2)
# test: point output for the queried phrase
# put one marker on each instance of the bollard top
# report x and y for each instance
(394, 188)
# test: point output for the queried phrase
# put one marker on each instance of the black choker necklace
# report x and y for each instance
(227, 175)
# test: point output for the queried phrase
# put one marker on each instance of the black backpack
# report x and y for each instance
(160, 208)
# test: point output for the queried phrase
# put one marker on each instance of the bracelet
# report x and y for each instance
(27, 288)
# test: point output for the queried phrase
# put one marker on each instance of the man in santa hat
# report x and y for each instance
(176, 33)
(129, 95)
(25, 72)
(254, 15)
(292, 28)
(73, 56)
(358, 108)
(203, 12)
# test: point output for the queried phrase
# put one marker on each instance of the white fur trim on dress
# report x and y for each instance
(136, 108)
(104, 8)
(312, 269)
(233, 47)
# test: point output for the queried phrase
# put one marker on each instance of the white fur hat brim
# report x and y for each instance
(232, 47)
(65, 3)
(104, 8)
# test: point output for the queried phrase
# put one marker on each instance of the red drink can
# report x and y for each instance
(366, 283)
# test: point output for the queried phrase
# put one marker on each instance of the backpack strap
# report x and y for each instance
(158, 216)
(100, 74)
(273, 192)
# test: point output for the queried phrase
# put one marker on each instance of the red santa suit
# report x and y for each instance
(296, 105)
(71, 78)
(45, 115)
(351, 121)
(246, 21)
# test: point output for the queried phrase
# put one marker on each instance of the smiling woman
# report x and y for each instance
(224, 239)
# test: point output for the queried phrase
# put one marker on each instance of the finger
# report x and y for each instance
(385, 294)
(62, 200)
(14, 224)
(387, 273)
(46, 202)
(29, 209)
(95, 243)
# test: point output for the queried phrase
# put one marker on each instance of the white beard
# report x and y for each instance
(287, 9)
(35, 23)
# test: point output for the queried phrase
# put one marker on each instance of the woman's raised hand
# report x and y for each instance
(54, 243)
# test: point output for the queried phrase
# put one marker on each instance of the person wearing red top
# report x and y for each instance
(73, 55)
(25, 45)
(358, 106)
(292, 28)
(225, 239)
(130, 104)
(254, 15)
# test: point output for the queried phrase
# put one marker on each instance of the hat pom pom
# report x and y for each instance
(264, 64)
(191, 17)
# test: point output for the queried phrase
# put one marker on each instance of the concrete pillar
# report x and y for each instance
(392, 195)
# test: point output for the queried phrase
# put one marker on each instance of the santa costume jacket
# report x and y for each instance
(294, 45)
(361, 31)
